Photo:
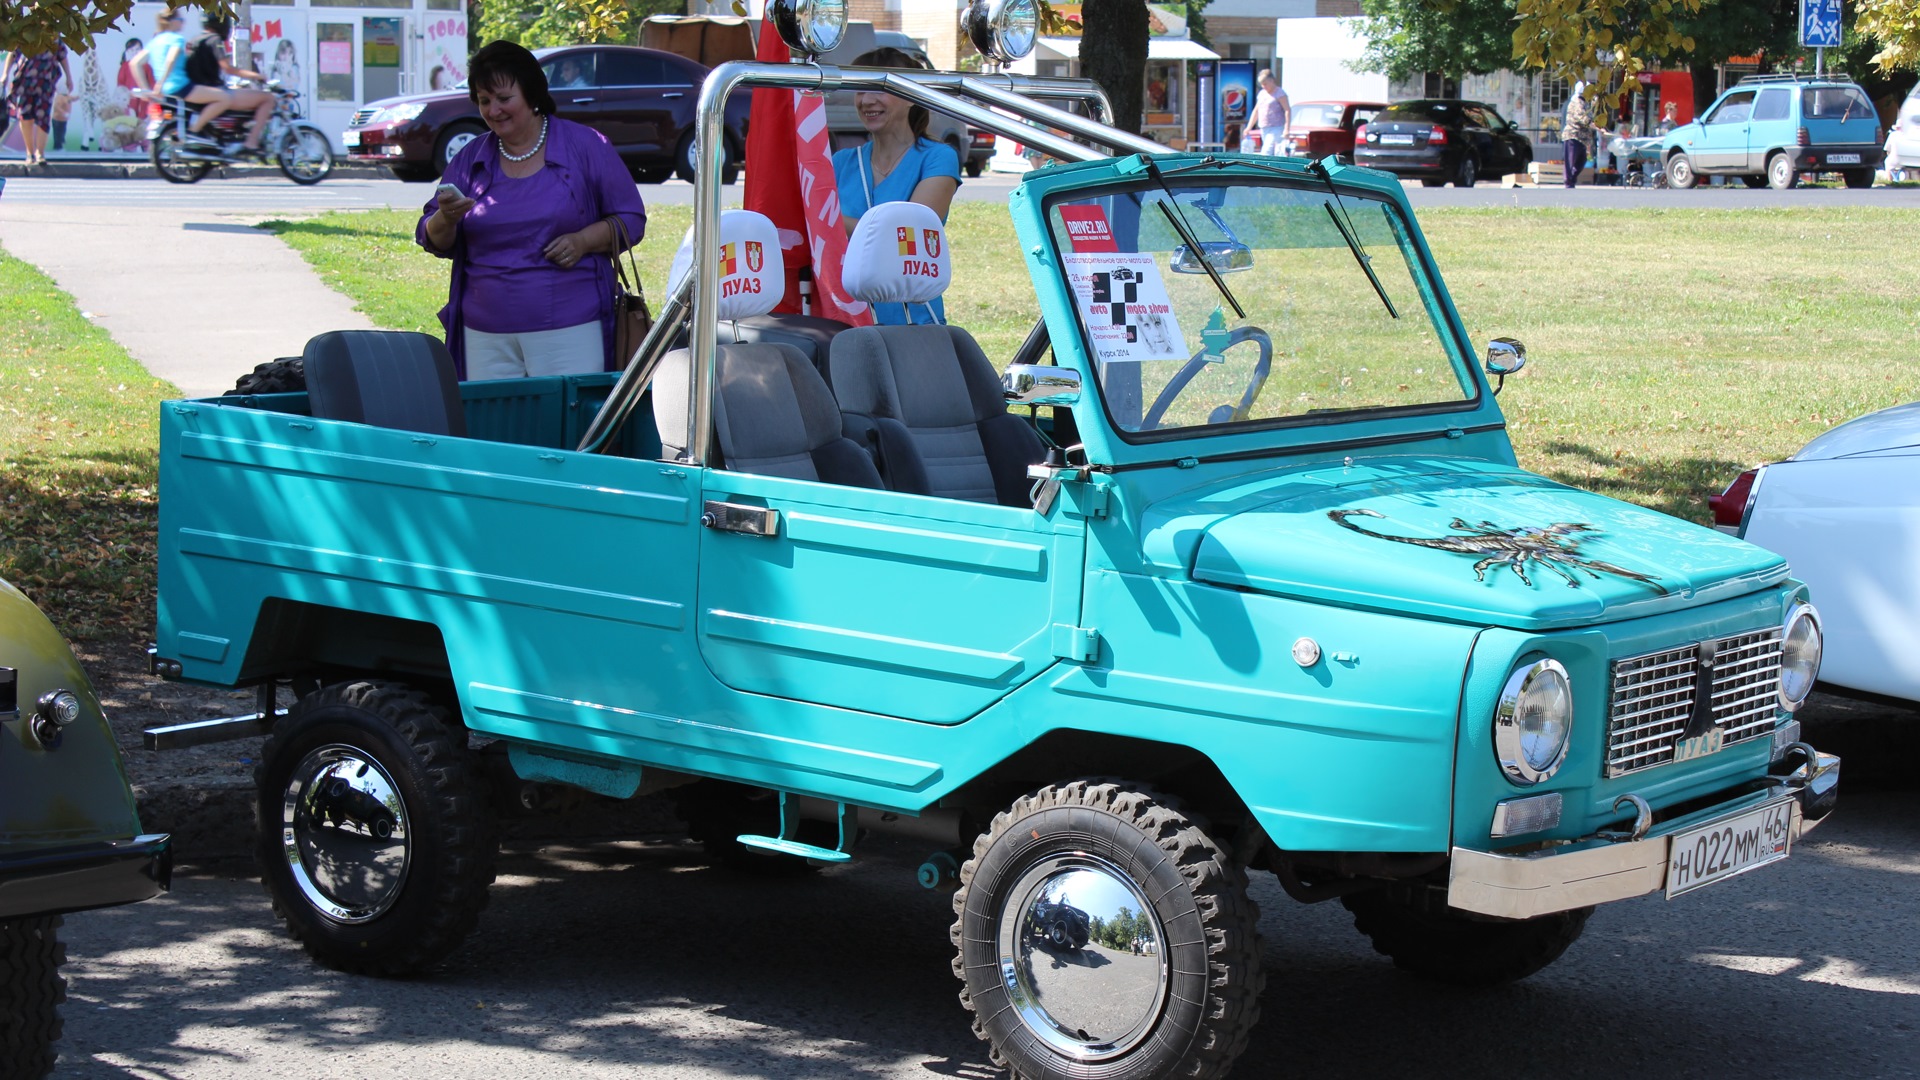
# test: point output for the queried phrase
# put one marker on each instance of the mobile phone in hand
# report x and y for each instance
(449, 190)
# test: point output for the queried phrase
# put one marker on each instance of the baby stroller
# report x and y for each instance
(1639, 161)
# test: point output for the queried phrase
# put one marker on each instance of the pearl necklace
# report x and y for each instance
(536, 146)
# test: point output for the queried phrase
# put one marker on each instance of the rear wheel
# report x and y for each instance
(305, 156)
(375, 837)
(1467, 172)
(452, 141)
(1141, 868)
(1780, 173)
(1424, 937)
(1680, 172)
(1858, 178)
(31, 991)
(170, 160)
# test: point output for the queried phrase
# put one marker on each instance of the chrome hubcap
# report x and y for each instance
(1082, 956)
(345, 833)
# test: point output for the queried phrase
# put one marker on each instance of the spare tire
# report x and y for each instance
(287, 375)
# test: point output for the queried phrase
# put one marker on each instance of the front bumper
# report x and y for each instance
(54, 881)
(408, 142)
(1598, 870)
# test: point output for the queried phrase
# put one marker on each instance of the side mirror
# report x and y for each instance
(1505, 356)
(1041, 384)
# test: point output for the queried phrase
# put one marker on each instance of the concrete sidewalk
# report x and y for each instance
(198, 298)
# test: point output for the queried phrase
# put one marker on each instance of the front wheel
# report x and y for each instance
(170, 160)
(1425, 938)
(1140, 868)
(1780, 173)
(1467, 173)
(1858, 178)
(31, 991)
(375, 839)
(306, 156)
(1680, 172)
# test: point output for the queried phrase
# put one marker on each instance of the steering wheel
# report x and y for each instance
(1224, 413)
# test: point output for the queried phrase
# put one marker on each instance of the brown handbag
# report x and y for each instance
(631, 319)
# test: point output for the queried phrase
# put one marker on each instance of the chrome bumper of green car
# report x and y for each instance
(1701, 848)
(53, 881)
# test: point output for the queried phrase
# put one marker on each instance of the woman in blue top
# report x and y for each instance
(165, 55)
(898, 163)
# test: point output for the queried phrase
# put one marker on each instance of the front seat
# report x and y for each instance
(387, 378)
(772, 412)
(924, 399)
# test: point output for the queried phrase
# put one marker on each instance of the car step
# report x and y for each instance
(787, 844)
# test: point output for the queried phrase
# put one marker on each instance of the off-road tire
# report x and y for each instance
(1423, 938)
(1213, 950)
(1781, 175)
(452, 831)
(287, 375)
(1680, 173)
(1857, 178)
(31, 991)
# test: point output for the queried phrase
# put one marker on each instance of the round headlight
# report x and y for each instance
(813, 27)
(59, 708)
(1533, 722)
(1799, 656)
(1002, 30)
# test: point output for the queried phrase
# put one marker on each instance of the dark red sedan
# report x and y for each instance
(1319, 128)
(642, 100)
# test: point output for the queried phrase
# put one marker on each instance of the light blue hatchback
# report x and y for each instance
(1772, 129)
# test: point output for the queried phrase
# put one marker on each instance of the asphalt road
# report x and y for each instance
(268, 192)
(636, 960)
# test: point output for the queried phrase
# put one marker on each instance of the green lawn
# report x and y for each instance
(1669, 350)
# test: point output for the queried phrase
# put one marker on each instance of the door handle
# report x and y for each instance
(582, 101)
(674, 94)
(735, 517)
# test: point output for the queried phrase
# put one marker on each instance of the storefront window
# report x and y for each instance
(1166, 93)
(334, 46)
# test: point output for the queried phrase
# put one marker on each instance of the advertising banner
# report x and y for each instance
(1235, 91)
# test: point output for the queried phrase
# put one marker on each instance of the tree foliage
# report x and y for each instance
(36, 26)
(1406, 38)
(1608, 42)
(1895, 26)
(538, 24)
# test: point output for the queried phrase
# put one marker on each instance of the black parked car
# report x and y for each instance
(1438, 140)
(642, 100)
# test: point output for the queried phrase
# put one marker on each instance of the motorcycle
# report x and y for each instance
(301, 149)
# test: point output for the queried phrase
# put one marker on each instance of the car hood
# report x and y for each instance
(1467, 541)
(1897, 428)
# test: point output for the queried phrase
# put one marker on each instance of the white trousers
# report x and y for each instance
(570, 350)
(1271, 139)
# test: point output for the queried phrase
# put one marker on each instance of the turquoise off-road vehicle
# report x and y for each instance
(1246, 579)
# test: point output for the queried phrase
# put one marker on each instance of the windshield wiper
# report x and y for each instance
(1345, 229)
(1179, 222)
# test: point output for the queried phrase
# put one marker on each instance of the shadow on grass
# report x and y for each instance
(1675, 486)
(78, 534)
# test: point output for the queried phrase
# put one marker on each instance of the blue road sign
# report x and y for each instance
(1820, 24)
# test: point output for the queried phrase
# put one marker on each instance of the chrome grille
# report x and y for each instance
(360, 118)
(1652, 698)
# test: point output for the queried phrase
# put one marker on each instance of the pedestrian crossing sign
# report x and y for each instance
(1820, 24)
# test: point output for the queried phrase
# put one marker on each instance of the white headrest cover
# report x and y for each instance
(752, 277)
(898, 255)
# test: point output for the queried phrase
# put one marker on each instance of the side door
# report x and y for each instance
(571, 77)
(1722, 144)
(905, 606)
(1771, 127)
(1475, 129)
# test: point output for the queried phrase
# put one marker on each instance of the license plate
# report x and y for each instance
(349, 138)
(1733, 845)
(1396, 140)
(1843, 159)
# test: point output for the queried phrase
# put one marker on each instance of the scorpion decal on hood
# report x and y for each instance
(1555, 547)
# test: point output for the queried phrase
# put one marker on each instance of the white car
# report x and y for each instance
(1903, 142)
(1845, 512)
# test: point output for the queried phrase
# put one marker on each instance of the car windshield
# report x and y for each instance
(1317, 114)
(1171, 351)
(1835, 103)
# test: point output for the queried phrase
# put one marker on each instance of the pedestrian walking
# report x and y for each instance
(1272, 113)
(1576, 129)
(30, 85)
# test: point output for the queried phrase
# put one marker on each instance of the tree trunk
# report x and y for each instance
(1113, 53)
(1706, 87)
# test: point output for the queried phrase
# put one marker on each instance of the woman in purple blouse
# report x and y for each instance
(532, 290)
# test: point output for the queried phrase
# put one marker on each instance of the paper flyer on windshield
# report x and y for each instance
(1124, 302)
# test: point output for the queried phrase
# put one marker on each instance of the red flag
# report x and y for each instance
(802, 200)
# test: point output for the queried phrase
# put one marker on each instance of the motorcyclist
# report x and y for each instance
(207, 69)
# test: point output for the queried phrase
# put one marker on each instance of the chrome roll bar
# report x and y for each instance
(1032, 123)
